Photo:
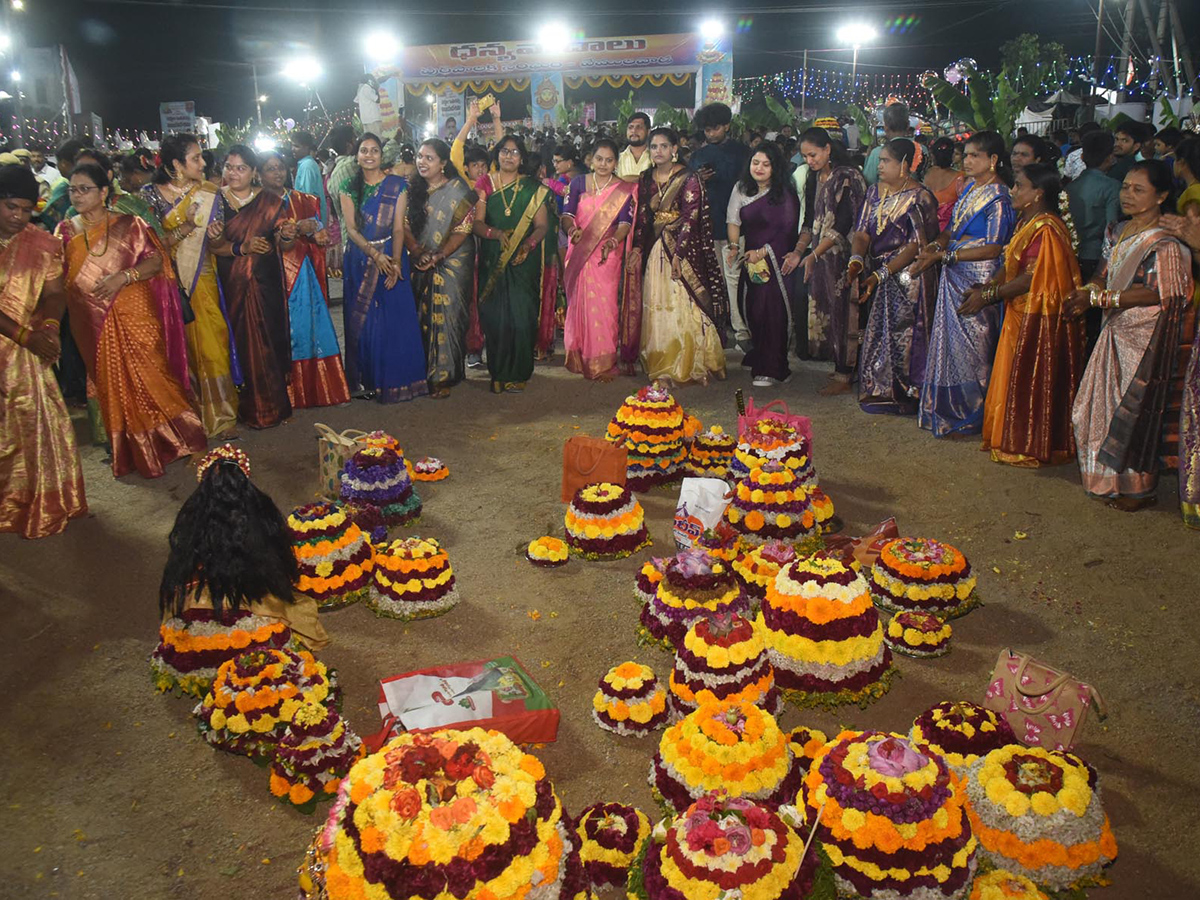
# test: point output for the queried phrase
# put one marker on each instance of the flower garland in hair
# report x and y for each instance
(224, 453)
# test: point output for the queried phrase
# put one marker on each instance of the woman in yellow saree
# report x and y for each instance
(186, 205)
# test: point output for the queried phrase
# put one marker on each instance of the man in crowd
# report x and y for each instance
(1127, 149)
(719, 163)
(1095, 203)
(308, 173)
(635, 158)
(895, 125)
(59, 202)
(42, 170)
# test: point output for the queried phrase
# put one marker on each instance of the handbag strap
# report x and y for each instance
(1049, 691)
(588, 470)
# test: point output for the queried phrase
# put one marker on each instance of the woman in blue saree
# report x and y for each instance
(385, 358)
(961, 347)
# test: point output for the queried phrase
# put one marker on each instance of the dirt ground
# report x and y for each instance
(109, 793)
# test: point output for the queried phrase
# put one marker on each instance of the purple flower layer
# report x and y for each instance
(721, 690)
(788, 622)
(949, 578)
(656, 721)
(212, 659)
(810, 684)
(866, 887)
(621, 544)
(953, 741)
(640, 480)
(597, 508)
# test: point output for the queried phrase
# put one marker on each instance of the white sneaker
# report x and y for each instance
(763, 381)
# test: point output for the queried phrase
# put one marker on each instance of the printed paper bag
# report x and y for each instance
(589, 460)
(702, 501)
(333, 450)
(1045, 707)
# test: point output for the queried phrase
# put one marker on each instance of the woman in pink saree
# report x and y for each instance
(597, 216)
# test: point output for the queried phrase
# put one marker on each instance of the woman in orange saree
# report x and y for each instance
(1039, 358)
(125, 317)
(41, 483)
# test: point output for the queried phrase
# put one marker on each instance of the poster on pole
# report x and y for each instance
(177, 116)
(451, 112)
(547, 99)
(715, 84)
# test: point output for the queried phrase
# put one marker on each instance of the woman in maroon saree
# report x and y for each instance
(252, 291)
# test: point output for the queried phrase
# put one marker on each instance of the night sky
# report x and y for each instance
(131, 54)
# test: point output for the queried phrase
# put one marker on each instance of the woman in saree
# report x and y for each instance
(834, 198)
(1143, 284)
(191, 215)
(41, 482)
(962, 346)
(943, 179)
(441, 211)
(899, 217)
(676, 306)
(126, 320)
(252, 287)
(1039, 358)
(316, 377)
(512, 218)
(134, 172)
(597, 216)
(384, 356)
(763, 211)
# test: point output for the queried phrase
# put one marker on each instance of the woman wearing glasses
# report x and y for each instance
(124, 307)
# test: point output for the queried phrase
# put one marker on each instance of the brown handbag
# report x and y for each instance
(588, 460)
(1045, 706)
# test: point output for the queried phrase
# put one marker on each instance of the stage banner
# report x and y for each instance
(177, 116)
(451, 113)
(715, 84)
(546, 91)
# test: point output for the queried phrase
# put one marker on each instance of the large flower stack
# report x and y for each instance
(723, 658)
(694, 586)
(466, 814)
(733, 746)
(756, 569)
(630, 701)
(961, 732)
(333, 556)
(772, 439)
(924, 575)
(254, 697)
(605, 521)
(892, 818)
(824, 636)
(313, 756)
(193, 645)
(771, 503)
(1038, 813)
(611, 836)
(379, 476)
(723, 847)
(649, 425)
(413, 580)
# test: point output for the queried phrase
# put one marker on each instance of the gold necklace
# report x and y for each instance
(884, 196)
(237, 203)
(596, 189)
(508, 204)
(1126, 233)
(88, 245)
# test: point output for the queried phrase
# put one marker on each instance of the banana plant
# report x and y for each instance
(625, 111)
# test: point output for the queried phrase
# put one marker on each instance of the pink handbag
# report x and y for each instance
(1044, 706)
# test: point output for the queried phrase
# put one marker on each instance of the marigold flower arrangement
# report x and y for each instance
(924, 575)
(823, 635)
(771, 439)
(548, 552)
(822, 507)
(694, 586)
(723, 658)
(192, 646)
(430, 468)
(806, 744)
(413, 580)
(604, 521)
(369, 519)
(1038, 813)
(463, 814)
(379, 476)
(313, 756)
(722, 541)
(711, 453)
(733, 746)
(630, 701)
(254, 697)
(611, 836)
(919, 634)
(961, 732)
(770, 502)
(649, 425)
(891, 817)
(649, 577)
(723, 847)
(334, 557)
(1000, 884)
(757, 567)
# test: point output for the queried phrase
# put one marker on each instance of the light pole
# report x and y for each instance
(304, 70)
(855, 34)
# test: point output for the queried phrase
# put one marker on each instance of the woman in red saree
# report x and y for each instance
(597, 216)
(317, 376)
(126, 320)
(252, 287)
(41, 483)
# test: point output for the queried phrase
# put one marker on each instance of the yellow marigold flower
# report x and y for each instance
(1043, 803)
(1016, 804)
(237, 724)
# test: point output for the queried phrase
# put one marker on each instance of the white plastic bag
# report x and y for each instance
(702, 502)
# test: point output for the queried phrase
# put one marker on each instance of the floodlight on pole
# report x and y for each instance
(14, 75)
(381, 46)
(264, 143)
(18, 5)
(554, 37)
(5, 42)
(856, 34)
(712, 29)
(303, 70)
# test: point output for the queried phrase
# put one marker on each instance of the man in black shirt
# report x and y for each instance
(720, 163)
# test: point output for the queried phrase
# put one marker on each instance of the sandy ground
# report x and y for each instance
(109, 793)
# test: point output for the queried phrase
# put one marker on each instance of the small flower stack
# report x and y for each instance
(192, 646)
(254, 697)
(822, 507)
(919, 634)
(630, 701)
(379, 476)
(313, 756)
(961, 732)
(770, 502)
(413, 580)
(923, 575)
(334, 556)
(892, 818)
(547, 552)
(1000, 884)
(771, 439)
(694, 586)
(756, 569)
(649, 425)
(711, 453)
(649, 577)
(722, 541)
(430, 468)
(611, 837)
(723, 658)
(604, 521)
(1038, 813)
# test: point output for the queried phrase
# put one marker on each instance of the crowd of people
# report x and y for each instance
(179, 295)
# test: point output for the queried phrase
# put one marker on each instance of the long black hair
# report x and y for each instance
(902, 150)
(780, 182)
(1161, 178)
(418, 187)
(231, 540)
(523, 168)
(358, 181)
(173, 149)
(992, 144)
(1187, 151)
(95, 173)
(942, 151)
(1046, 179)
(819, 136)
